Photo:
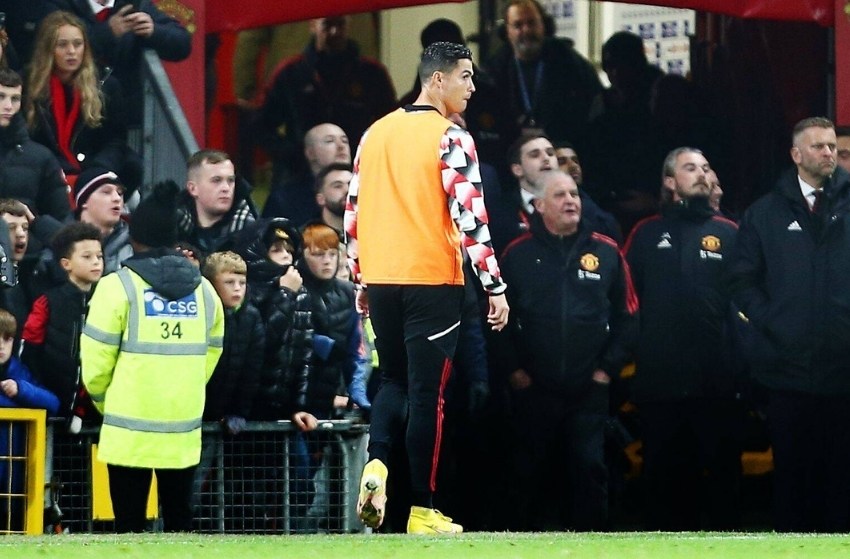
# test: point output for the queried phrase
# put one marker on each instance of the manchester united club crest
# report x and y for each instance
(589, 262)
(710, 248)
(711, 243)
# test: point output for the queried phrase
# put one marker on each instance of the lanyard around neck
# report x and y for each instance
(523, 87)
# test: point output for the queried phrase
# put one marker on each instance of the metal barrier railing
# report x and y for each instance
(269, 479)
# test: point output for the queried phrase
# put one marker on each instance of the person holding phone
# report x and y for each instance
(120, 30)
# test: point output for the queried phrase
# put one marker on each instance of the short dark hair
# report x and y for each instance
(564, 144)
(515, 151)
(64, 240)
(10, 78)
(811, 122)
(842, 130)
(13, 207)
(441, 57)
(327, 170)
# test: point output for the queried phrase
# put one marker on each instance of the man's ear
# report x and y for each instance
(536, 204)
(192, 189)
(669, 183)
(516, 170)
(65, 263)
(320, 199)
(796, 155)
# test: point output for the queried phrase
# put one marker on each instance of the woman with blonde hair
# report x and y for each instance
(69, 110)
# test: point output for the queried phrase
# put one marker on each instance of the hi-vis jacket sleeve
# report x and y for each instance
(100, 341)
(216, 346)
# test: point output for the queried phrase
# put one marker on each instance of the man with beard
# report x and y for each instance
(331, 194)
(684, 382)
(789, 277)
(545, 84)
(295, 198)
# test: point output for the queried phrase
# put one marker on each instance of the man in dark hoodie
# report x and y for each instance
(154, 317)
(684, 383)
(789, 277)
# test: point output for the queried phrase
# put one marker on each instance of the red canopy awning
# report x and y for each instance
(229, 15)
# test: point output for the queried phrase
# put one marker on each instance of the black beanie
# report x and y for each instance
(154, 221)
(89, 180)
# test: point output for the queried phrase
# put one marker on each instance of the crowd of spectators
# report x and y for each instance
(604, 265)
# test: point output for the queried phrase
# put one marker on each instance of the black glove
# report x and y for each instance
(479, 393)
(233, 424)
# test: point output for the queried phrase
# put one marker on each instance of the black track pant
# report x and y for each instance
(416, 332)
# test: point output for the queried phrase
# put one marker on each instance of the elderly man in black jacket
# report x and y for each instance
(789, 275)
(571, 330)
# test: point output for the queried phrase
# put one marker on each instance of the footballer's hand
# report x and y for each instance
(305, 421)
(497, 317)
(361, 302)
(519, 380)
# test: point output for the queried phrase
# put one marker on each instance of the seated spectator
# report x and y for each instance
(50, 344)
(78, 119)
(28, 171)
(295, 199)
(212, 209)
(120, 30)
(99, 196)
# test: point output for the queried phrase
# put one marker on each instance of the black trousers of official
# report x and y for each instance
(569, 432)
(810, 436)
(130, 487)
(692, 463)
(416, 332)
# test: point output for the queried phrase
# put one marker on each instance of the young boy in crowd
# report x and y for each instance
(269, 248)
(18, 389)
(233, 386)
(51, 346)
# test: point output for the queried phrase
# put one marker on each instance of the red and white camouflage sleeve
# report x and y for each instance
(462, 183)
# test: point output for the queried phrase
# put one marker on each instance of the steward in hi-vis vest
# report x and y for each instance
(150, 344)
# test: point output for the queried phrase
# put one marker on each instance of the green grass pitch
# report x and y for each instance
(464, 546)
